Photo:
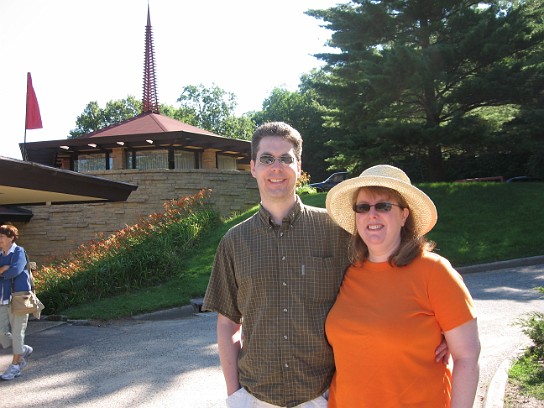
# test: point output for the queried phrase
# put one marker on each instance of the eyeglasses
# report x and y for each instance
(382, 207)
(268, 159)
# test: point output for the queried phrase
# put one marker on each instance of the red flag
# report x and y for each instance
(33, 117)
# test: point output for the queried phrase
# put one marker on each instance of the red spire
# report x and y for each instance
(150, 103)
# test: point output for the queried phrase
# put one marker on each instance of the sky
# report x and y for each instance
(79, 51)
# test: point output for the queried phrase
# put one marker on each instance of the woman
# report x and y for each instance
(396, 301)
(13, 275)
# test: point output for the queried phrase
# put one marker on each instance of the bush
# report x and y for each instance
(137, 256)
(533, 326)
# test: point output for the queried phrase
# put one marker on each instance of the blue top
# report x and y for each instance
(16, 273)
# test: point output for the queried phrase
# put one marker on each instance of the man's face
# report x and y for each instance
(277, 180)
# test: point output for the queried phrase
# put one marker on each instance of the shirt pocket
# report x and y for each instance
(320, 280)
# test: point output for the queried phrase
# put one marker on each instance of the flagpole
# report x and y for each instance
(25, 156)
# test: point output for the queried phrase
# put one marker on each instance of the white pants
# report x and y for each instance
(243, 399)
(12, 329)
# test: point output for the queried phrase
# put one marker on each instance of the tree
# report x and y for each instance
(410, 75)
(213, 109)
(94, 118)
(208, 108)
(302, 110)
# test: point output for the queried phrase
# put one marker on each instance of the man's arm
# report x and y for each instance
(442, 354)
(228, 341)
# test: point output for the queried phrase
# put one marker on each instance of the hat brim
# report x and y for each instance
(341, 198)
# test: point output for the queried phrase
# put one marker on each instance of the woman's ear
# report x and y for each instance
(405, 214)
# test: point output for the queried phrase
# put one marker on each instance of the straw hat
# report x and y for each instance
(341, 197)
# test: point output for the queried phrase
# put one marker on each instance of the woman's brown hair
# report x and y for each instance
(9, 231)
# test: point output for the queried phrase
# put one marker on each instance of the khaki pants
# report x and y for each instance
(12, 329)
(243, 399)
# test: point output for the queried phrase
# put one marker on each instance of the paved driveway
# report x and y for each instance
(169, 359)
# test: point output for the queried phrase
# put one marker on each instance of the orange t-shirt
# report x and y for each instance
(384, 329)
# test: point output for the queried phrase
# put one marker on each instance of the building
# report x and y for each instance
(163, 157)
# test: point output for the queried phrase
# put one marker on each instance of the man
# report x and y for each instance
(278, 273)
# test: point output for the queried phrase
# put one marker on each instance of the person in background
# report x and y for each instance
(274, 279)
(396, 301)
(13, 275)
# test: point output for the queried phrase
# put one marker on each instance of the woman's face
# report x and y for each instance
(5, 242)
(380, 230)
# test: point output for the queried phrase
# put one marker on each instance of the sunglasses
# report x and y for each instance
(382, 207)
(268, 159)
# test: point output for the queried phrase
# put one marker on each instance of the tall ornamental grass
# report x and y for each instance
(141, 255)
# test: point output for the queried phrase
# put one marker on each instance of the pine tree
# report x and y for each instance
(410, 76)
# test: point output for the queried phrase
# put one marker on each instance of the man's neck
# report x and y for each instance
(279, 209)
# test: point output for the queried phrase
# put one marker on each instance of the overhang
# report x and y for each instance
(28, 183)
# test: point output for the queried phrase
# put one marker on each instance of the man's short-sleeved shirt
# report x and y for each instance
(280, 282)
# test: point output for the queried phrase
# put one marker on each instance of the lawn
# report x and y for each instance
(477, 223)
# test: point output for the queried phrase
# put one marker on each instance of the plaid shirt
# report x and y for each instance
(281, 282)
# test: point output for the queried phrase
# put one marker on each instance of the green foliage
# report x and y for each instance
(190, 280)
(94, 118)
(306, 189)
(208, 108)
(533, 327)
(303, 111)
(528, 371)
(409, 77)
(213, 109)
(528, 374)
(137, 256)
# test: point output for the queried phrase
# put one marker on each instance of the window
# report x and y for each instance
(90, 162)
(147, 159)
(226, 162)
(184, 159)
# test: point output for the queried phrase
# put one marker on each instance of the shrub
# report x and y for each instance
(139, 255)
(303, 186)
(533, 326)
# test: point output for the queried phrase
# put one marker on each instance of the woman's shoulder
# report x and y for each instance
(18, 249)
(432, 259)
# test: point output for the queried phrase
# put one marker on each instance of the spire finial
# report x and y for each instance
(150, 102)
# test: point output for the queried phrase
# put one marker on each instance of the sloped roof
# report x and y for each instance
(147, 123)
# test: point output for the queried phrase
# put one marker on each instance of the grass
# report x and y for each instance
(528, 374)
(477, 223)
(190, 281)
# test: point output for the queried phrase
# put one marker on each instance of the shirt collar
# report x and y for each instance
(10, 250)
(291, 218)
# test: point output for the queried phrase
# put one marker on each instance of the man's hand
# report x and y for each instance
(442, 353)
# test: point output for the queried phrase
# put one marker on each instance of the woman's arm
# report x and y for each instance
(464, 346)
(228, 341)
(17, 264)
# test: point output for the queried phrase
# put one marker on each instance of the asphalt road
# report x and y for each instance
(169, 359)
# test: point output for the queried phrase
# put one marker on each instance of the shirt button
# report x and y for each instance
(284, 284)
(285, 337)
(283, 258)
(285, 310)
(286, 365)
(281, 234)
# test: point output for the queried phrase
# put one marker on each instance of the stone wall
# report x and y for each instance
(56, 229)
